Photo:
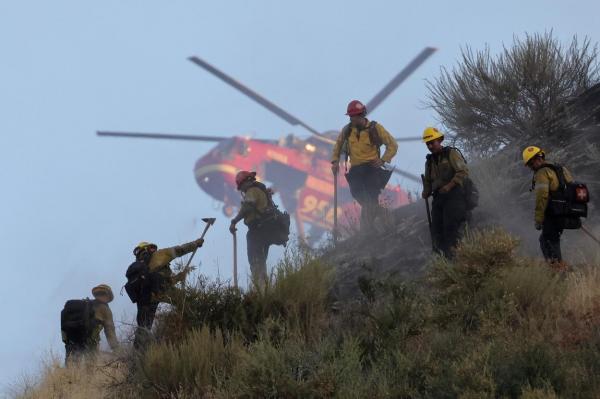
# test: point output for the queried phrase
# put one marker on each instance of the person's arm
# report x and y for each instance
(460, 168)
(568, 175)
(542, 193)
(164, 256)
(426, 181)
(391, 146)
(337, 148)
(248, 205)
(104, 315)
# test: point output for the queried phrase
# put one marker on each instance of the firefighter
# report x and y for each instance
(149, 277)
(255, 201)
(83, 320)
(360, 140)
(445, 174)
(545, 183)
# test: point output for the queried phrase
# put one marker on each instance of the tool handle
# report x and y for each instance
(335, 206)
(235, 274)
(195, 249)
(428, 214)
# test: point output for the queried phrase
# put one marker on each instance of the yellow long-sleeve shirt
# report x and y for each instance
(546, 181)
(361, 148)
(163, 257)
(255, 202)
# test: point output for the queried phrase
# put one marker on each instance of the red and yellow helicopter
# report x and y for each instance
(299, 169)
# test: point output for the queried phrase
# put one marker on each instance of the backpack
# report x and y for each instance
(570, 200)
(77, 319)
(373, 138)
(469, 188)
(274, 222)
(142, 283)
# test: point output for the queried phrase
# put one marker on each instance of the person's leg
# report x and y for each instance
(145, 318)
(437, 223)
(550, 239)
(73, 352)
(454, 218)
(257, 257)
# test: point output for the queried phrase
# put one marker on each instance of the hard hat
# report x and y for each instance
(530, 152)
(103, 289)
(242, 176)
(142, 246)
(355, 108)
(431, 133)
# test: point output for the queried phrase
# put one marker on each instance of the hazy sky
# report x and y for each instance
(73, 205)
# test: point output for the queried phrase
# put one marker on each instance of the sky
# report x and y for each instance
(73, 205)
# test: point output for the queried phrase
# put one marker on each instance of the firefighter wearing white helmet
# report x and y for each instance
(445, 174)
(546, 183)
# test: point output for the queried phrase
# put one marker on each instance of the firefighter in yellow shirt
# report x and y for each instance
(545, 183)
(361, 140)
(256, 200)
(150, 276)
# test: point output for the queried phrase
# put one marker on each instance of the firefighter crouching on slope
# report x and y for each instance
(149, 277)
(254, 203)
(83, 320)
(546, 183)
(361, 140)
(445, 173)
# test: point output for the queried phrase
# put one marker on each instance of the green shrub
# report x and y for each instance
(196, 364)
(465, 292)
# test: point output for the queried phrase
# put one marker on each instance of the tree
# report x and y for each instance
(520, 97)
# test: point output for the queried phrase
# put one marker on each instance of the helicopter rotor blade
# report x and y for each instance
(165, 136)
(407, 175)
(410, 139)
(399, 78)
(254, 96)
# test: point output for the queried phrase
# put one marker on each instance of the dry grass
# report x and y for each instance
(89, 379)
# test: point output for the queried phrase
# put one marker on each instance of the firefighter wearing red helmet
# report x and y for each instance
(360, 141)
(255, 200)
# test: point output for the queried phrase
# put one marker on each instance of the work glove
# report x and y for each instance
(377, 163)
(538, 225)
(232, 228)
(199, 242)
(445, 189)
(335, 168)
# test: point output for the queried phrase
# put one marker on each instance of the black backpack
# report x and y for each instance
(470, 189)
(273, 222)
(77, 319)
(141, 283)
(570, 200)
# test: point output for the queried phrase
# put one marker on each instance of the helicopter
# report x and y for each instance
(298, 168)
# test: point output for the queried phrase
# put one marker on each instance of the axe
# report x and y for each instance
(209, 222)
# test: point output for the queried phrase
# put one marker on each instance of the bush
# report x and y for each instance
(198, 363)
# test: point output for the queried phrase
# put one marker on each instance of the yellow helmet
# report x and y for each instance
(431, 133)
(103, 289)
(142, 246)
(530, 152)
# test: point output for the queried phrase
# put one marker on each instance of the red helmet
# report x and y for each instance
(242, 176)
(355, 108)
